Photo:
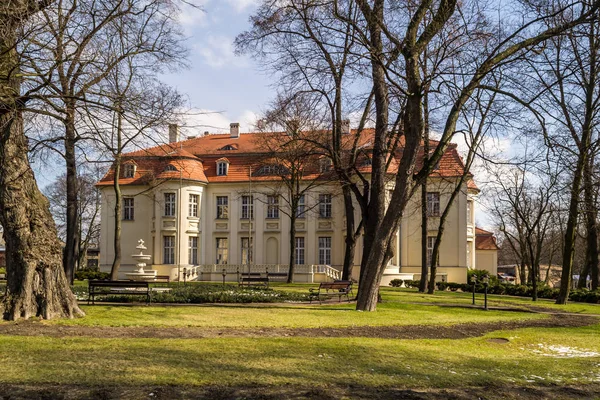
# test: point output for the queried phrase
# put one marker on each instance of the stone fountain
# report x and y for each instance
(139, 274)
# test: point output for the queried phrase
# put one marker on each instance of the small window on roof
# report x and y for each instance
(129, 170)
(228, 147)
(222, 168)
(171, 168)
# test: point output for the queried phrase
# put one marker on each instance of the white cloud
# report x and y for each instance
(198, 121)
(241, 5)
(192, 15)
(217, 51)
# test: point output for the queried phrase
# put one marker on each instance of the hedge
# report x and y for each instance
(544, 292)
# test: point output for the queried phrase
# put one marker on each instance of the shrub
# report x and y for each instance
(586, 296)
(88, 274)
(412, 283)
(443, 286)
(480, 273)
(396, 282)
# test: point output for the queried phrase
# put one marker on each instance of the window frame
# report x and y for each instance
(247, 211)
(222, 168)
(128, 170)
(325, 205)
(299, 251)
(433, 204)
(222, 252)
(247, 250)
(301, 209)
(430, 245)
(193, 250)
(170, 209)
(222, 209)
(128, 216)
(193, 205)
(325, 250)
(273, 206)
(169, 251)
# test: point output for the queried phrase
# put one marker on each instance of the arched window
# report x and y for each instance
(228, 147)
(171, 168)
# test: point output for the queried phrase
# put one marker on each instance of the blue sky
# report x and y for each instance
(226, 87)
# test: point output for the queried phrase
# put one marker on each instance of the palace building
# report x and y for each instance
(208, 205)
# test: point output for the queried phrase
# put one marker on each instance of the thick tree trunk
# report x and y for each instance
(72, 237)
(570, 231)
(351, 235)
(36, 284)
(591, 225)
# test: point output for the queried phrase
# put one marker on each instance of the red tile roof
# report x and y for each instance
(485, 240)
(195, 159)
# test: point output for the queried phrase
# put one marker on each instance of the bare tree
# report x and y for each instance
(410, 41)
(565, 94)
(76, 48)
(36, 283)
(296, 161)
(88, 207)
(526, 208)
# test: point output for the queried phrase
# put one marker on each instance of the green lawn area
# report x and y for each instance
(531, 357)
(280, 316)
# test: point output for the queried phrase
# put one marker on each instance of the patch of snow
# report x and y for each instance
(564, 352)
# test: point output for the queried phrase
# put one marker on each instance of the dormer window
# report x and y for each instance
(229, 147)
(129, 170)
(171, 168)
(324, 165)
(222, 167)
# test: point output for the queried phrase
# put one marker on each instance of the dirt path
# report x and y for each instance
(459, 331)
(292, 392)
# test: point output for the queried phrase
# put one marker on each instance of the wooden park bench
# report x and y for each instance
(132, 288)
(330, 290)
(162, 278)
(253, 279)
(277, 276)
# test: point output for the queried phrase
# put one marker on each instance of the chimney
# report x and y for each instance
(345, 127)
(234, 130)
(173, 133)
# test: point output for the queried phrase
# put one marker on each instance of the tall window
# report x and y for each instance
(247, 207)
(222, 207)
(325, 250)
(433, 204)
(193, 209)
(247, 254)
(301, 210)
(222, 168)
(430, 244)
(128, 170)
(299, 252)
(168, 249)
(273, 207)
(222, 250)
(128, 208)
(325, 206)
(169, 204)
(193, 250)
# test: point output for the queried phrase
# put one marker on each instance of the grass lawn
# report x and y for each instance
(320, 367)
(282, 316)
